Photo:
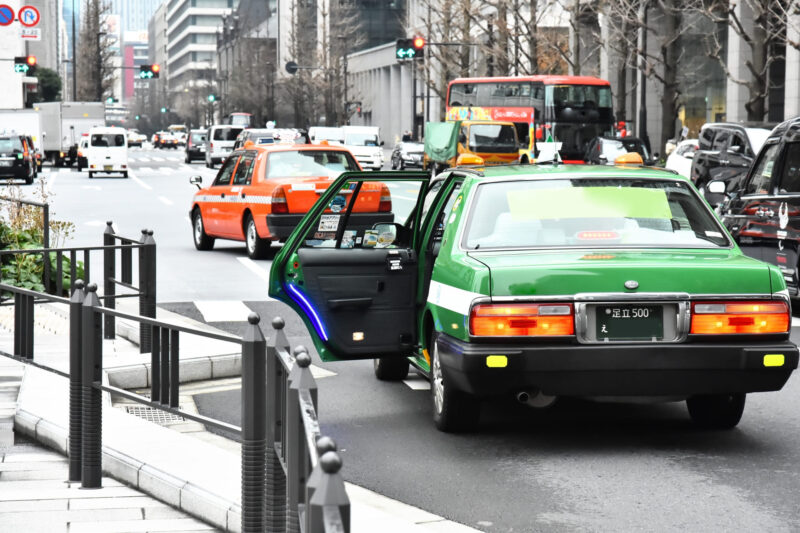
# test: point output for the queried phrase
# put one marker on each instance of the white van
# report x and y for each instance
(107, 151)
(364, 142)
(219, 142)
(317, 134)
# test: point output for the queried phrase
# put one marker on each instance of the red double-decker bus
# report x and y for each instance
(572, 110)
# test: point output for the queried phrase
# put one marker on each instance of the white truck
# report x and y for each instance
(63, 124)
(365, 143)
(24, 122)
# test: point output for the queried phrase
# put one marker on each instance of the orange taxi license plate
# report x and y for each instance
(107, 167)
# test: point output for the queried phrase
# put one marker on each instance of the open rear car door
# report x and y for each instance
(349, 269)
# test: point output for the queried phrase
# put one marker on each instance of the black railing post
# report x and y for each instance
(323, 445)
(26, 349)
(46, 245)
(330, 493)
(174, 368)
(155, 364)
(92, 429)
(19, 324)
(297, 462)
(109, 274)
(165, 384)
(75, 377)
(254, 430)
(147, 287)
(276, 479)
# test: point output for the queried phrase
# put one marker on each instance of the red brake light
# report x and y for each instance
(508, 320)
(279, 205)
(385, 204)
(726, 318)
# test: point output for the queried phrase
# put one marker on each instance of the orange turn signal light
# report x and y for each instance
(526, 320)
(727, 318)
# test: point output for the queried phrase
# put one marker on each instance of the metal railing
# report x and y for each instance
(145, 291)
(290, 479)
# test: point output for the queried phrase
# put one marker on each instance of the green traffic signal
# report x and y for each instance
(137, 117)
(211, 98)
(163, 109)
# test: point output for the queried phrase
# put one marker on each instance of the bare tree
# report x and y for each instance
(94, 59)
(761, 26)
(341, 33)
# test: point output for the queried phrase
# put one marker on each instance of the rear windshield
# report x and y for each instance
(592, 213)
(198, 137)
(496, 138)
(308, 163)
(226, 134)
(108, 139)
(10, 144)
(361, 139)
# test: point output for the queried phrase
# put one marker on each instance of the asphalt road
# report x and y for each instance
(578, 466)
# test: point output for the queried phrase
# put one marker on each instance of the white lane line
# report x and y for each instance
(795, 322)
(143, 159)
(254, 268)
(140, 182)
(417, 382)
(168, 170)
(222, 310)
(165, 200)
(92, 187)
(157, 158)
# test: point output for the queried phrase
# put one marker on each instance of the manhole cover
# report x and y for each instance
(153, 415)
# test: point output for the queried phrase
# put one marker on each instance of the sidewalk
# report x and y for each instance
(196, 475)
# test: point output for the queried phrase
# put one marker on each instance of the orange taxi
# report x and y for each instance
(261, 193)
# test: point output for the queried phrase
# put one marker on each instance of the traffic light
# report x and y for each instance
(136, 117)
(212, 98)
(111, 100)
(163, 109)
(25, 65)
(419, 44)
(148, 72)
(409, 48)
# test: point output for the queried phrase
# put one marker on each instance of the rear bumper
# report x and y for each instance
(281, 226)
(617, 370)
(17, 172)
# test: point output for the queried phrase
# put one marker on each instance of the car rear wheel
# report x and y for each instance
(453, 410)
(91, 174)
(201, 239)
(390, 368)
(257, 247)
(124, 173)
(716, 411)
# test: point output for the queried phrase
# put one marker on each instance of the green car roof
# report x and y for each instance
(551, 171)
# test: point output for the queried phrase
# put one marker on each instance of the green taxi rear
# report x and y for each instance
(538, 282)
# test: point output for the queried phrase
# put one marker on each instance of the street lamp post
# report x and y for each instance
(99, 81)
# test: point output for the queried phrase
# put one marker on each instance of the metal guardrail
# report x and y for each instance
(145, 291)
(290, 472)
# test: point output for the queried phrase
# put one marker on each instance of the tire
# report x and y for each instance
(394, 164)
(402, 165)
(125, 174)
(453, 410)
(201, 239)
(390, 368)
(716, 411)
(524, 161)
(29, 178)
(187, 159)
(257, 247)
(91, 174)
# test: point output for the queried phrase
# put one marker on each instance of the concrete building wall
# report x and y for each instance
(792, 84)
(11, 45)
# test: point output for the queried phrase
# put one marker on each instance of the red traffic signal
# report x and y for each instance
(30, 60)
(419, 43)
(156, 68)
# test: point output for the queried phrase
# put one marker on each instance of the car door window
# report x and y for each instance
(737, 144)
(706, 138)
(226, 171)
(720, 140)
(761, 179)
(790, 169)
(244, 171)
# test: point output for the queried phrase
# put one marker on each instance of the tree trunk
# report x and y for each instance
(533, 36)
(576, 38)
(670, 51)
(502, 35)
(465, 37)
(756, 105)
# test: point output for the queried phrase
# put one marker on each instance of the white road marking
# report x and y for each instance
(157, 158)
(165, 200)
(92, 187)
(168, 170)
(254, 268)
(143, 159)
(140, 182)
(401, 197)
(417, 382)
(222, 310)
(795, 322)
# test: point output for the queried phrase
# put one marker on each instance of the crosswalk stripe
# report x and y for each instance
(417, 382)
(222, 310)
(168, 170)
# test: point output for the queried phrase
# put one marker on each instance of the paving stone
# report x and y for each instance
(34, 505)
(32, 457)
(125, 502)
(59, 474)
(19, 466)
(12, 491)
(135, 526)
(160, 513)
(76, 516)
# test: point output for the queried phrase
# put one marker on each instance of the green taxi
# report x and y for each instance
(541, 281)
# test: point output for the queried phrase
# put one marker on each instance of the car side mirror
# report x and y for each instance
(736, 149)
(391, 233)
(462, 139)
(382, 143)
(196, 180)
(716, 187)
(689, 155)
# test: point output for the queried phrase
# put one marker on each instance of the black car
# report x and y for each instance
(604, 150)
(763, 212)
(257, 135)
(196, 145)
(407, 154)
(726, 151)
(17, 158)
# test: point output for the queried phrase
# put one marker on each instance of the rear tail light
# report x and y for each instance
(385, 204)
(509, 320)
(211, 146)
(725, 318)
(279, 205)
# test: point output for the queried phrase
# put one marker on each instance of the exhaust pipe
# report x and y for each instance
(536, 399)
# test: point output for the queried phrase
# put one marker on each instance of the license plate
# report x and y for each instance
(108, 167)
(629, 322)
(6, 163)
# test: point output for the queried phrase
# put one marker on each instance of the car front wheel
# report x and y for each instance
(256, 246)
(453, 410)
(390, 368)
(716, 411)
(201, 239)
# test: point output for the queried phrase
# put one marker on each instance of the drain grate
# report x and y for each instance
(153, 415)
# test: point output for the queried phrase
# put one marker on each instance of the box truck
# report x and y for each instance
(63, 124)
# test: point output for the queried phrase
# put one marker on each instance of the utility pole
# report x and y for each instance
(642, 130)
(99, 81)
(74, 58)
